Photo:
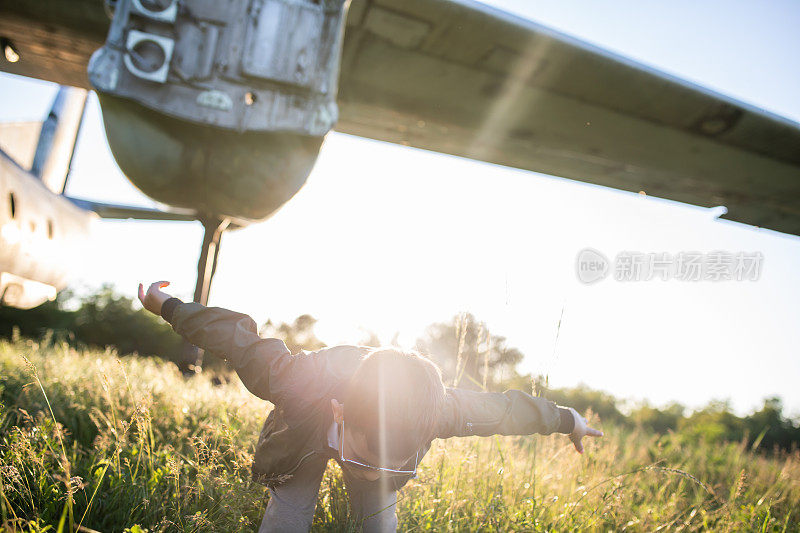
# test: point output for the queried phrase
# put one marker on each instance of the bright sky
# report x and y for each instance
(391, 239)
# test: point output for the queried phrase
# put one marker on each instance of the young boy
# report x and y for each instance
(374, 411)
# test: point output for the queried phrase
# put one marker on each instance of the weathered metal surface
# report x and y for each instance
(55, 38)
(39, 234)
(462, 78)
(39, 228)
(191, 360)
(58, 137)
(210, 170)
(18, 140)
(458, 77)
(246, 65)
(220, 107)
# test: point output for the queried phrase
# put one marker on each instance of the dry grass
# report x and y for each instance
(131, 443)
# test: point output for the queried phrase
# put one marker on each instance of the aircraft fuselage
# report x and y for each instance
(40, 235)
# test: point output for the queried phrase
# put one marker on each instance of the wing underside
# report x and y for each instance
(458, 77)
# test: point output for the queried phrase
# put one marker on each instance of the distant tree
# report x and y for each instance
(584, 399)
(34, 323)
(109, 319)
(102, 319)
(714, 423)
(770, 429)
(469, 355)
(299, 335)
(658, 420)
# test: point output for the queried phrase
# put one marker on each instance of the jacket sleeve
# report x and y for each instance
(512, 412)
(264, 365)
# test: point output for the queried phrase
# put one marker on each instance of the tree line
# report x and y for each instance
(468, 353)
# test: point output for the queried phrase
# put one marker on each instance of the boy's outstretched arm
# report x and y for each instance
(263, 365)
(581, 429)
(509, 413)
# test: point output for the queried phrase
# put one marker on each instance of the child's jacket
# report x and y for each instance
(301, 387)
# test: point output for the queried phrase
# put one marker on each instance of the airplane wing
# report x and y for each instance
(120, 211)
(458, 77)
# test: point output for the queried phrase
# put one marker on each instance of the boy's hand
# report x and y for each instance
(155, 297)
(581, 430)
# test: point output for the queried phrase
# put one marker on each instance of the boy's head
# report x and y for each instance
(391, 407)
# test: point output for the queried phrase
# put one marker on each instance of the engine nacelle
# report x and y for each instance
(220, 106)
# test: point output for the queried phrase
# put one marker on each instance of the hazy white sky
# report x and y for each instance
(391, 239)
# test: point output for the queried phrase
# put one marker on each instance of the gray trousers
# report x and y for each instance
(291, 504)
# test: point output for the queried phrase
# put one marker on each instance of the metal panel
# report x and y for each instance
(248, 65)
(485, 84)
(273, 53)
(488, 85)
(40, 237)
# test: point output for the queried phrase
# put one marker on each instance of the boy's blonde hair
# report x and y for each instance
(395, 398)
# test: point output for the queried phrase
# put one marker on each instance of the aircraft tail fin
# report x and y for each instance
(57, 139)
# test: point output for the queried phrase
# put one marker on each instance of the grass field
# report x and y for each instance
(92, 442)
